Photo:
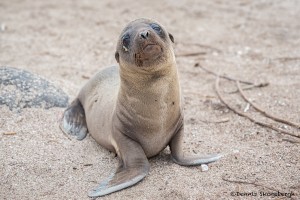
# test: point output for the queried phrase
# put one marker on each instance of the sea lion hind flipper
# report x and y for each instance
(133, 167)
(178, 155)
(73, 121)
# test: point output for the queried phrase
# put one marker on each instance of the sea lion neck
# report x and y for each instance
(141, 78)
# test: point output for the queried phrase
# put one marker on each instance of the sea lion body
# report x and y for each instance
(134, 109)
(98, 98)
(152, 115)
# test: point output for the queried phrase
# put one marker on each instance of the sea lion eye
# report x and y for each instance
(156, 27)
(125, 42)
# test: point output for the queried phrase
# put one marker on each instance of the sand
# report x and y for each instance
(67, 42)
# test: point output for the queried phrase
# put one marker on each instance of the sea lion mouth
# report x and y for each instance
(148, 53)
(152, 49)
(149, 45)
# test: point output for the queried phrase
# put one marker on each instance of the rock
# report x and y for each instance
(204, 167)
(22, 89)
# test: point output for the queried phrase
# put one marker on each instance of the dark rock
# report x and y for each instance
(22, 89)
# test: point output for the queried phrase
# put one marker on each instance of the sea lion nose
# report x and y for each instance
(144, 34)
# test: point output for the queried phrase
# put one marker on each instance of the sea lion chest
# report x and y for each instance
(149, 113)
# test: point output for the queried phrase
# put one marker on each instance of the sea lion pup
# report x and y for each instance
(134, 109)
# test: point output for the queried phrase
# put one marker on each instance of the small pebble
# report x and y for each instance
(236, 151)
(285, 127)
(2, 27)
(247, 107)
(204, 167)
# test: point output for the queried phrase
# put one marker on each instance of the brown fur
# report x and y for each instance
(135, 109)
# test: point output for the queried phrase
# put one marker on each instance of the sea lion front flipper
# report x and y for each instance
(133, 167)
(73, 121)
(178, 155)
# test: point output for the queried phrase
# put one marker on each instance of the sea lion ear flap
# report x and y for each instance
(117, 56)
(171, 37)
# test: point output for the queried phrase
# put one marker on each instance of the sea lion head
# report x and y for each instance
(145, 44)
